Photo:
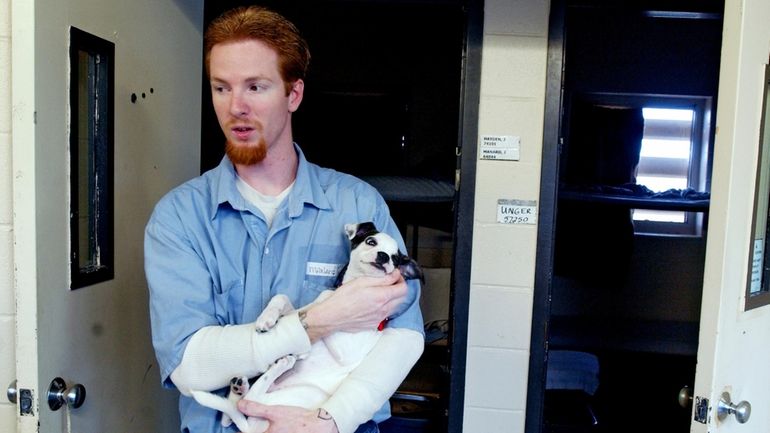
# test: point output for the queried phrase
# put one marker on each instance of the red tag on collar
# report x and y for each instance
(382, 324)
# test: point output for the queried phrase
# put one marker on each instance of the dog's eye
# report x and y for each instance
(372, 242)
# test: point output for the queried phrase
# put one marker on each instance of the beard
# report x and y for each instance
(246, 154)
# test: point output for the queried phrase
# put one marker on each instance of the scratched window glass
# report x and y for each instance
(91, 158)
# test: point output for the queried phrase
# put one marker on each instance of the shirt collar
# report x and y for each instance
(307, 187)
(223, 187)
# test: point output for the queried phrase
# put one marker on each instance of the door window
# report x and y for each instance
(91, 158)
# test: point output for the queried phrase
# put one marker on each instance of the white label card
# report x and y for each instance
(323, 269)
(500, 147)
(516, 211)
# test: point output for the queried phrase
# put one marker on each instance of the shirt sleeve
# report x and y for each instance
(185, 306)
(377, 377)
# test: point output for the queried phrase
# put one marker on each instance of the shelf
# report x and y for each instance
(623, 334)
(412, 189)
(655, 202)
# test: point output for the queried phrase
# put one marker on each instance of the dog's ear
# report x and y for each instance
(409, 268)
(361, 229)
(350, 230)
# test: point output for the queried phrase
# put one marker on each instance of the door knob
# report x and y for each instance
(742, 410)
(685, 397)
(12, 392)
(59, 395)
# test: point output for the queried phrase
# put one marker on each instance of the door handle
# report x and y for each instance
(59, 395)
(12, 393)
(742, 410)
(685, 397)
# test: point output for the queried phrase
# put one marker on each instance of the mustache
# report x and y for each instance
(256, 124)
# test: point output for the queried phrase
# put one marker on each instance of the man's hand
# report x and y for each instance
(290, 419)
(358, 305)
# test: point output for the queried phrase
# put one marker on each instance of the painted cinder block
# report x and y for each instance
(5, 83)
(517, 17)
(496, 378)
(7, 303)
(477, 419)
(504, 255)
(500, 317)
(520, 117)
(513, 66)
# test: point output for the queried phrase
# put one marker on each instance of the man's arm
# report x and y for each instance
(290, 419)
(359, 305)
(194, 346)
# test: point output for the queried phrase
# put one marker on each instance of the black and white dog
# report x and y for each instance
(314, 376)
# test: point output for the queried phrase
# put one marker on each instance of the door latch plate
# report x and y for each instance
(26, 402)
(701, 410)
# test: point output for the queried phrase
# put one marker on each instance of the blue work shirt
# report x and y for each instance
(211, 259)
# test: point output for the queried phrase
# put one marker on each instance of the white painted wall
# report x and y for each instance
(7, 302)
(503, 268)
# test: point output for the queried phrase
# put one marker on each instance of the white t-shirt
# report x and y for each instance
(268, 204)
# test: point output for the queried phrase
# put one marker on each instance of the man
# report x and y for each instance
(266, 221)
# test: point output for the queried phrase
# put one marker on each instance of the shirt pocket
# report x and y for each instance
(324, 262)
(311, 291)
(228, 301)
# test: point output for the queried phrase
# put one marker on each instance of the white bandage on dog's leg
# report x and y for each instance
(378, 376)
(215, 354)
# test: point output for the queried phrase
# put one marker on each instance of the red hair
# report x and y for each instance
(268, 27)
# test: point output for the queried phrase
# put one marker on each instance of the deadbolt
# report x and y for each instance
(59, 395)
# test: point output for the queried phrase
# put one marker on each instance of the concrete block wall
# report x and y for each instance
(503, 265)
(7, 303)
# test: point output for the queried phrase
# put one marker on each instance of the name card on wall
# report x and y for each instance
(500, 147)
(516, 211)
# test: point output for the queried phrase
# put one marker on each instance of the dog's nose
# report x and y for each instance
(382, 258)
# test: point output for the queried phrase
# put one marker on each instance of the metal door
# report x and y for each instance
(97, 336)
(733, 348)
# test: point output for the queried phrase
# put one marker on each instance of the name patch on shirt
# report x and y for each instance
(323, 269)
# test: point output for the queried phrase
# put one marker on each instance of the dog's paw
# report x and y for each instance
(281, 366)
(286, 362)
(268, 319)
(278, 306)
(239, 386)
